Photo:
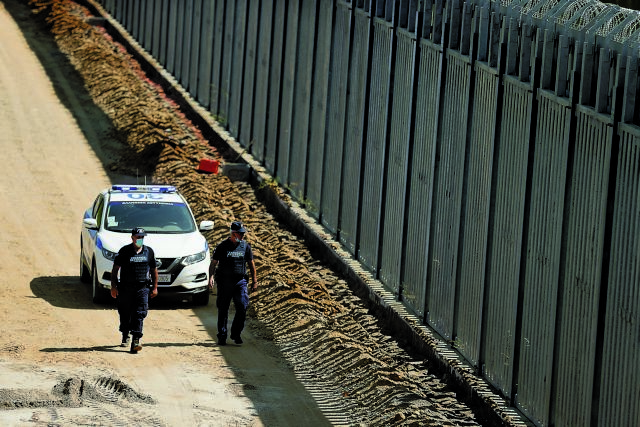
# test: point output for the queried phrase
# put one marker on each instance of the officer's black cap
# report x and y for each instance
(138, 231)
(238, 227)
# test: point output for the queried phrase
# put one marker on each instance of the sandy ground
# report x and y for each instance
(55, 144)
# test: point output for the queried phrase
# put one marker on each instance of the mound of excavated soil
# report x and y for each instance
(327, 334)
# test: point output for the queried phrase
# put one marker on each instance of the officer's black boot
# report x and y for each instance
(135, 345)
(222, 340)
(125, 339)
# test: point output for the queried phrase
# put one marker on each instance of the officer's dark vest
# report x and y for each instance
(138, 268)
(235, 266)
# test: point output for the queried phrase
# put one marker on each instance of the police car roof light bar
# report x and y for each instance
(145, 188)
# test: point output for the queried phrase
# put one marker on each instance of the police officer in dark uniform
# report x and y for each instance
(138, 280)
(228, 269)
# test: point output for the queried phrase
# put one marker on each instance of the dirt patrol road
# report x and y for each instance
(55, 144)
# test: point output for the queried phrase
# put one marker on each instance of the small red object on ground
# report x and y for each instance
(209, 165)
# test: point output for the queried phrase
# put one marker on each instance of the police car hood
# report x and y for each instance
(163, 245)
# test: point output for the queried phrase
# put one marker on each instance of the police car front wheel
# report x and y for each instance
(85, 274)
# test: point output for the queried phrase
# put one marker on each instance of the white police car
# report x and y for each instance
(182, 252)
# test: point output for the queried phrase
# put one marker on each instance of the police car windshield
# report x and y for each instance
(154, 217)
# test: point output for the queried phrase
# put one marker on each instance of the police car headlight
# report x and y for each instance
(111, 256)
(192, 259)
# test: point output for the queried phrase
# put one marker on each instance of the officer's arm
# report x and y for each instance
(114, 280)
(254, 279)
(212, 270)
(154, 278)
(212, 266)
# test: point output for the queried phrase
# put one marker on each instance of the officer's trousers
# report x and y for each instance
(236, 292)
(133, 306)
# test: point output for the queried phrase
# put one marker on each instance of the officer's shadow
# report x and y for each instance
(117, 349)
(109, 348)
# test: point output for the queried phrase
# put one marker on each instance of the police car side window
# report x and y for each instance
(94, 207)
(97, 209)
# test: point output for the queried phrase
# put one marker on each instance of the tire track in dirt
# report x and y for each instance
(328, 335)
